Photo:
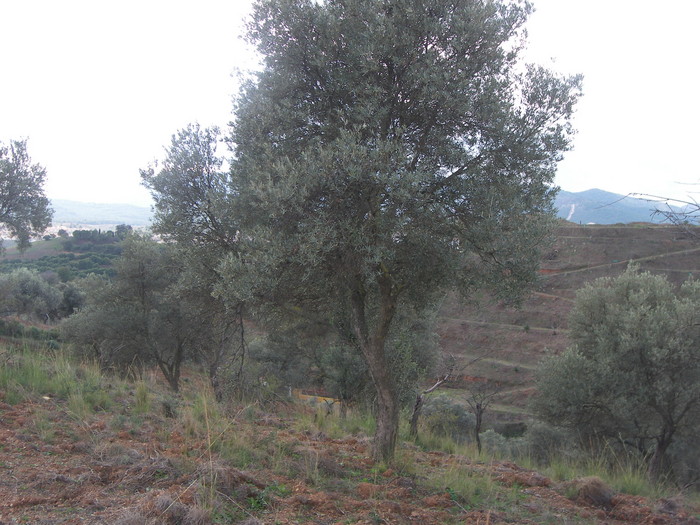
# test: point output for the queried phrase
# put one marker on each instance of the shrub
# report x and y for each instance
(445, 417)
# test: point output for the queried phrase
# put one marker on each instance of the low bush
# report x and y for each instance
(445, 417)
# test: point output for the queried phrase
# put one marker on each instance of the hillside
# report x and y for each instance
(513, 341)
(82, 448)
(79, 447)
(590, 206)
(82, 215)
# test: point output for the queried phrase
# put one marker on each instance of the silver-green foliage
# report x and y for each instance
(24, 292)
(387, 151)
(632, 372)
(153, 311)
(446, 417)
(24, 209)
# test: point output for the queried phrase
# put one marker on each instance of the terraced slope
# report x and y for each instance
(513, 341)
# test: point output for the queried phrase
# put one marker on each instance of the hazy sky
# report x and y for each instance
(99, 87)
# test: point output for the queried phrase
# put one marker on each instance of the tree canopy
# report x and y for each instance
(24, 209)
(632, 372)
(191, 191)
(388, 150)
(152, 311)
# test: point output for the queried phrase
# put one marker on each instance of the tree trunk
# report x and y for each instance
(171, 374)
(420, 400)
(658, 464)
(415, 415)
(372, 347)
(171, 369)
(387, 431)
(214, 380)
(387, 417)
(477, 427)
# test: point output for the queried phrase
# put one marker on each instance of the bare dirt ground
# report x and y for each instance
(58, 469)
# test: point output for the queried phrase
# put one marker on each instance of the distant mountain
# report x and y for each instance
(584, 207)
(89, 213)
(602, 207)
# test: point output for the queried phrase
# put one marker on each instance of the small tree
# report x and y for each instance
(193, 209)
(24, 209)
(25, 292)
(420, 396)
(121, 231)
(632, 372)
(480, 395)
(142, 315)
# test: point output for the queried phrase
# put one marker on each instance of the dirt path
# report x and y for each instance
(624, 262)
(500, 325)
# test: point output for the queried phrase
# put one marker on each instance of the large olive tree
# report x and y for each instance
(389, 150)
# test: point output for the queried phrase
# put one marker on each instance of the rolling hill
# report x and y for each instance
(590, 206)
(82, 214)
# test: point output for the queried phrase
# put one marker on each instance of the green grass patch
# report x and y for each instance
(355, 422)
(142, 402)
(27, 374)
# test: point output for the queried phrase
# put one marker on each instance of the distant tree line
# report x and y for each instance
(51, 287)
(66, 266)
(86, 252)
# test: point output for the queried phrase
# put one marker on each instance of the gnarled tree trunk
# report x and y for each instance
(372, 344)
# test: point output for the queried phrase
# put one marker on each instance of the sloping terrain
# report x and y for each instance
(512, 341)
(262, 466)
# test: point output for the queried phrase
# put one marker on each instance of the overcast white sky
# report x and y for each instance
(99, 87)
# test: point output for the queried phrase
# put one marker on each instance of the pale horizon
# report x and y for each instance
(97, 107)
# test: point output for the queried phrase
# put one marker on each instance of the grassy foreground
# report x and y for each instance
(78, 446)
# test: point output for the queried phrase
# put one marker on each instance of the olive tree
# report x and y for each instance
(24, 209)
(192, 194)
(480, 396)
(147, 314)
(194, 210)
(632, 372)
(25, 292)
(387, 150)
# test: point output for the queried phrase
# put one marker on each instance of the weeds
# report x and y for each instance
(355, 422)
(27, 374)
(466, 487)
(43, 426)
(142, 401)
